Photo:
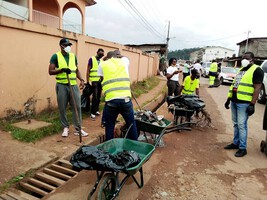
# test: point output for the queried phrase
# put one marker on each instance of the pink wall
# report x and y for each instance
(26, 49)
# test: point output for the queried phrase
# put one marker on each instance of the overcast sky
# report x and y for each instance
(193, 23)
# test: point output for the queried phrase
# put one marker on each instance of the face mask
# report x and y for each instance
(67, 49)
(245, 62)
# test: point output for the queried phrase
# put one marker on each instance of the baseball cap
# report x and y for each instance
(65, 42)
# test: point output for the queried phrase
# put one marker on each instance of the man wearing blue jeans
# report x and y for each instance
(116, 87)
(243, 95)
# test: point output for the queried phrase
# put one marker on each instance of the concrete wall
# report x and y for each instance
(25, 52)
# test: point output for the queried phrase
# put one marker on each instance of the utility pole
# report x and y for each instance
(167, 40)
(246, 49)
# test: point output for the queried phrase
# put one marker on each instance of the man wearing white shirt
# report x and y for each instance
(197, 66)
(173, 77)
(116, 87)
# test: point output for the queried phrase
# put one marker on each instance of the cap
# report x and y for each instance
(65, 42)
(118, 53)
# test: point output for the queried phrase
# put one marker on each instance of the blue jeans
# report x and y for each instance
(112, 109)
(240, 119)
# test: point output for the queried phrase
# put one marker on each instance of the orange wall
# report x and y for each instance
(26, 49)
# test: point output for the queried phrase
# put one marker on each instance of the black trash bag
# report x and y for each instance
(85, 103)
(87, 91)
(127, 159)
(92, 158)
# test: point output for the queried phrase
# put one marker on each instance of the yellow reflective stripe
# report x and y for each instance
(115, 80)
(116, 89)
(245, 93)
(246, 84)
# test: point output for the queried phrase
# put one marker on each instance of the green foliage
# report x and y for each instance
(183, 54)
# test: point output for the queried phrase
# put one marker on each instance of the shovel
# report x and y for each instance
(75, 109)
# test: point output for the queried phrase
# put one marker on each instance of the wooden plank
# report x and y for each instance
(15, 196)
(34, 189)
(6, 197)
(49, 179)
(25, 195)
(41, 184)
(56, 174)
(63, 170)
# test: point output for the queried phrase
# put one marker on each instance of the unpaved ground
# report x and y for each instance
(193, 164)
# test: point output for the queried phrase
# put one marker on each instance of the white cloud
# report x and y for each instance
(193, 23)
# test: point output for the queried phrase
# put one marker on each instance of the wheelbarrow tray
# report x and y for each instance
(114, 146)
(151, 128)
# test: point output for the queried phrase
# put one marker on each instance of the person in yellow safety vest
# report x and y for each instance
(243, 94)
(116, 88)
(94, 79)
(63, 65)
(191, 83)
(213, 73)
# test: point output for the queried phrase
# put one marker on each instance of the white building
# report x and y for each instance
(211, 52)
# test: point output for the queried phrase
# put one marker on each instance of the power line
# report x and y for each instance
(143, 20)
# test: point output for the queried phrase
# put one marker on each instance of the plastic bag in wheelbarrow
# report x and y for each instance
(93, 158)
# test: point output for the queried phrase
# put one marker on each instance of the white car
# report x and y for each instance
(206, 69)
(227, 74)
(262, 95)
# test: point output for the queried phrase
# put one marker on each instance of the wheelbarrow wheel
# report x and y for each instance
(107, 187)
(263, 146)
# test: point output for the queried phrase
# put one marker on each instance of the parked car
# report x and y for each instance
(262, 95)
(227, 74)
(206, 69)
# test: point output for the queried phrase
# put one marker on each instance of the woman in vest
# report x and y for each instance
(243, 95)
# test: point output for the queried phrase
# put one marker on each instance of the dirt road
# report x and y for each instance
(193, 164)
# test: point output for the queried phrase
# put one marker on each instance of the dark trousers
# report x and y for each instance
(97, 89)
(173, 87)
(111, 111)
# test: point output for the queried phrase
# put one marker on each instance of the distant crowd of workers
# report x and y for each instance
(242, 95)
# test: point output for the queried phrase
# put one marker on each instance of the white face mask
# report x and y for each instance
(245, 62)
(67, 49)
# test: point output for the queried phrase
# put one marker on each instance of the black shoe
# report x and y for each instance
(231, 146)
(211, 86)
(241, 153)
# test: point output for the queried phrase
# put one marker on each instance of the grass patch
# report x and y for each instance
(142, 87)
(5, 186)
(52, 116)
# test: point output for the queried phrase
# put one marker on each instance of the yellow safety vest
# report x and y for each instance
(116, 82)
(93, 72)
(190, 85)
(245, 88)
(62, 77)
(213, 67)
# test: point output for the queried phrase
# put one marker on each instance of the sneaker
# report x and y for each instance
(97, 113)
(65, 132)
(84, 134)
(231, 146)
(241, 153)
(92, 117)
